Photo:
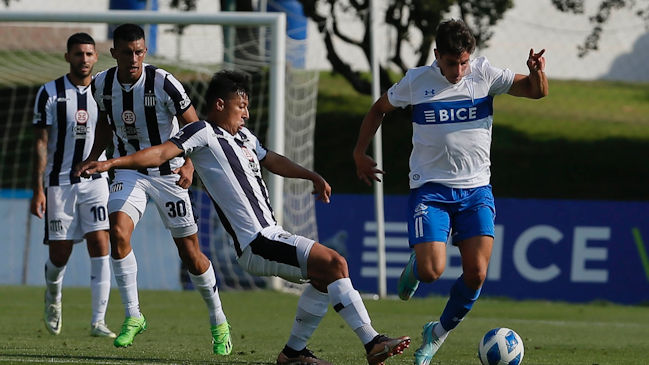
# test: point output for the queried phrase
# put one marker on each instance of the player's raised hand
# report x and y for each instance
(321, 189)
(366, 169)
(536, 61)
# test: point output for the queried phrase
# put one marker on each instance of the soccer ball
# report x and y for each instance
(501, 346)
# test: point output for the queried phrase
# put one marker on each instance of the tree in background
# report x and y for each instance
(403, 17)
(605, 9)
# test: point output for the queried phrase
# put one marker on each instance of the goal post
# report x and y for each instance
(282, 114)
(275, 21)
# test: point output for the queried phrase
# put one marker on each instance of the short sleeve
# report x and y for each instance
(399, 94)
(500, 80)
(42, 109)
(98, 90)
(192, 136)
(180, 101)
(259, 148)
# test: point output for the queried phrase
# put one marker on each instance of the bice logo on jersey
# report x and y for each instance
(81, 116)
(128, 117)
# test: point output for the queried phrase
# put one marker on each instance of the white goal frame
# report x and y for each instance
(275, 21)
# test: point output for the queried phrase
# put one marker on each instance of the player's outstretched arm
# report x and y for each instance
(280, 165)
(535, 85)
(148, 157)
(38, 202)
(366, 169)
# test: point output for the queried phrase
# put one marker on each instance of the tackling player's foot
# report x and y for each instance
(131, 327)
(408, 283)
(52, 316)
(99, 329)
(289, 356)
(431, 343)
(221, 339)
(381, 347)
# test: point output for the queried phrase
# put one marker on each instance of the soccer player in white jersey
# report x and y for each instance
(65, 116)
(228, 159)
(142, 105)
(452, 115)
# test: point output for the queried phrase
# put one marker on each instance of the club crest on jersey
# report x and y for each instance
(252, 163)
(128, 117)
(81, 116)
(149, 99)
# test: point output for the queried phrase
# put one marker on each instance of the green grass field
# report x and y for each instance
(178, 332)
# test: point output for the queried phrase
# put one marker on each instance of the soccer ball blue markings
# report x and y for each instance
(501, 346)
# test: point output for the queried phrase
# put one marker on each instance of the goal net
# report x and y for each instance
(192, 47)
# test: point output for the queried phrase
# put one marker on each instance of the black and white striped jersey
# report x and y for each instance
(71, 114)
(142, 114)
(229, 167)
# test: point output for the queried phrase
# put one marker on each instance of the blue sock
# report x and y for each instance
(459, 304)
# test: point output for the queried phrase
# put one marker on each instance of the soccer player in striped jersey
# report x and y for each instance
(65, 117)
(450, 196)
(228, 159)
(140, 106)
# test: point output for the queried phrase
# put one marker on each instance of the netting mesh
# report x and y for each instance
(32, 54)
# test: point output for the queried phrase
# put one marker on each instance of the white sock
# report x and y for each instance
(440, 332)
(349, 305)
(99, 286)
(53, 281)
(311, 308)
(125, 271)
(205, 283)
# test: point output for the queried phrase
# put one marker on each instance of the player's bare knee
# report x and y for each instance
(475, 278)
(119, 236)
(333, 267)
(428, 275)
(59, 259)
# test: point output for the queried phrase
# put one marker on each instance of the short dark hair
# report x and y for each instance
(454, 37)
(224, 83)
(80, 38)
(127, 33)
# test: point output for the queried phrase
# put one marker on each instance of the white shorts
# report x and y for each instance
(131, 190)
(276, 252)
(76, 209)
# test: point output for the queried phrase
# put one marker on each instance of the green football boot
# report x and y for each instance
(408, 283)
(221, 339)
(131, 327)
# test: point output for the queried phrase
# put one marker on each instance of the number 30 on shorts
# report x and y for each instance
(177, 209)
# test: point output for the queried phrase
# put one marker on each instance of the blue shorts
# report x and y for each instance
(435, 210)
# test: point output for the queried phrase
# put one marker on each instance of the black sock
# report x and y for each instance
(290, 353)
(369, 345)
